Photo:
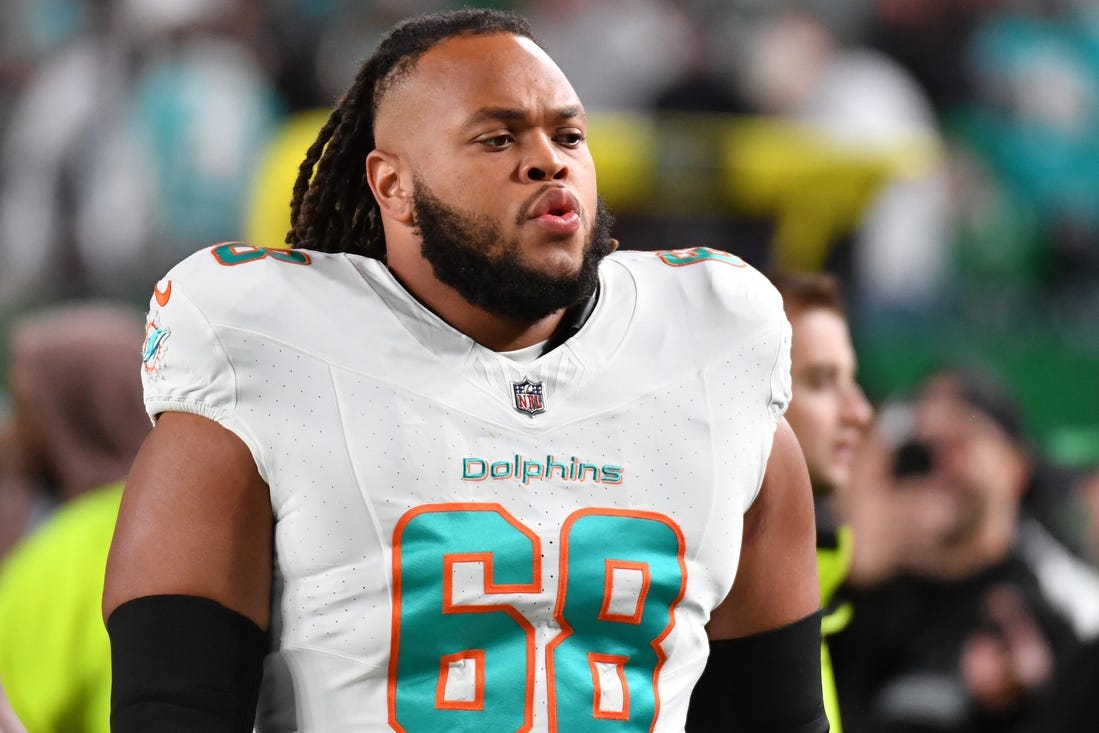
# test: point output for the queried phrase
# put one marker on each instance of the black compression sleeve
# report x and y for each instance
(183, 664)
(764, 683)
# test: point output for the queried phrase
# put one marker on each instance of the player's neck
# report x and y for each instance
(492, 331)
(497, 333)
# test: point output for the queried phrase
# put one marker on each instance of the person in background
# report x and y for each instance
(453, 463)
(805, 65)
(17, 496)
(77, 425)
(1071, 704)
(982, 604)
(1089, 495)
(109, 171)
(55, 657)
(830, 416)
(76, 418)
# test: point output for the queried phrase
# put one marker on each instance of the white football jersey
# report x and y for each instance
(464, 542)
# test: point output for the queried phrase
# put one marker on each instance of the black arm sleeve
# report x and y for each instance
(764, 683)
(183, 664)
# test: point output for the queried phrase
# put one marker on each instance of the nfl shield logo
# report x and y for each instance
(528, 397)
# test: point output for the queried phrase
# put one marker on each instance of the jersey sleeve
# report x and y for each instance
(780, 374)
(773, 334)
(726, 320)
(737, 316)
(185, 367)
(745, 339)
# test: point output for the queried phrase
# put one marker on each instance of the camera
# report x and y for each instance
(911, 459)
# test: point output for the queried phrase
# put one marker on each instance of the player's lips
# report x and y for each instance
(557, 211)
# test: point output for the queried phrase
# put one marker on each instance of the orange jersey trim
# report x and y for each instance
(477, 656)
(619, 663)
(608, 581)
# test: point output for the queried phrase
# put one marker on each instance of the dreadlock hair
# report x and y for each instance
(333, 209)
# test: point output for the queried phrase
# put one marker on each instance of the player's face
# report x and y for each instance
(828, 411)
(498, 136)
(471, 255)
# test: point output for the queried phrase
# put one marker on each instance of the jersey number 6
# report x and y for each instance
(464, 655)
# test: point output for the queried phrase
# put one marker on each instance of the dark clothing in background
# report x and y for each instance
(897, 664)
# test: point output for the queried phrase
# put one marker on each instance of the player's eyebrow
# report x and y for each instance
(517, 114)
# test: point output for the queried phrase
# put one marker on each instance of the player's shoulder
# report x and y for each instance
(240, 262)
(228, 274)
(703, 277)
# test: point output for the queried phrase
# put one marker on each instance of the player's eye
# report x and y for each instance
(497, 142)
(571, 139)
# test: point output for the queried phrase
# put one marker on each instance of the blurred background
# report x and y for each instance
(940, 156)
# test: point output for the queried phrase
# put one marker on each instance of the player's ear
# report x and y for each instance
(383, 175)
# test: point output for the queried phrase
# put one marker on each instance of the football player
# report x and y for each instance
(449, 464)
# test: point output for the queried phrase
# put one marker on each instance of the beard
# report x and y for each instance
(469, 254)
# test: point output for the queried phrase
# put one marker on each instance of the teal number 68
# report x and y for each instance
(463, 654)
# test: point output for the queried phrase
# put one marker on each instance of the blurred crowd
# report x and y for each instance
(941, 151)
(939, 158)
(938, 155)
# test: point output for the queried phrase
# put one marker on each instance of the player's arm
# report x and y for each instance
(764, 666)
(187, 591)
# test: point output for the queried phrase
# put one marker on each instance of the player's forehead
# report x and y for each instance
(462, 76)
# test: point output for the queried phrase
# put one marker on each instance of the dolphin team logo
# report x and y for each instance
(153, 350)
(529, 397)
